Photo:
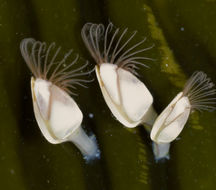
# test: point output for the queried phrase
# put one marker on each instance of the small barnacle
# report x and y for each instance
(127, 97)
(198, 94)
(58, 116)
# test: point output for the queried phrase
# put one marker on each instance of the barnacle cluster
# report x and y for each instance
(117, 63)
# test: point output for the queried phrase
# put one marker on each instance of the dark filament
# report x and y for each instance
(42, 61)
(199, 89)
(106, 48)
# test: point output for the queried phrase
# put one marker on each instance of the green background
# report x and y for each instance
(184, 34)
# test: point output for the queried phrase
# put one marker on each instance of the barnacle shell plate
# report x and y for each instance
(172, 120)
(57, 114)
(126, 96)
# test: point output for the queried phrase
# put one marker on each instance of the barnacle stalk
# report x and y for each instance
(117, 62)
(198, 94)
(57, 114)
(161, 151)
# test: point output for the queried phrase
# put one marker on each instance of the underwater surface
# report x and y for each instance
(184, 35)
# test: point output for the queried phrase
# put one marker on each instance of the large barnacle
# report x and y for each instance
(58, 116)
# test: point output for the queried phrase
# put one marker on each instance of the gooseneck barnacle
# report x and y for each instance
(116, 62)
(198, 94)
(57, 114)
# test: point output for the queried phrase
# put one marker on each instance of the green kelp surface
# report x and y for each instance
(184, 34)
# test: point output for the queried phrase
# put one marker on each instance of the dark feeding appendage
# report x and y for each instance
(109, 45)
(42, 60)
(199, 89)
